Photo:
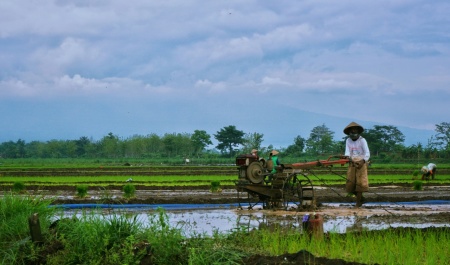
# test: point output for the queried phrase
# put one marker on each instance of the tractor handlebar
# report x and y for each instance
(332, 160)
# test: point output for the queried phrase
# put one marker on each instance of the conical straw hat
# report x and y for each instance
(351, 125)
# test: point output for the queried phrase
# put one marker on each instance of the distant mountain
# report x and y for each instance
(279, 124)
(282, 126)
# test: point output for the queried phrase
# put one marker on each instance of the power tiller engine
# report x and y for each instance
(288, 187)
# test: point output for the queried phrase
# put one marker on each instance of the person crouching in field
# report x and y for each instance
(428, 171)
(357, 151)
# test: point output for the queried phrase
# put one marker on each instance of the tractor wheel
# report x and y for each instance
(255, 173)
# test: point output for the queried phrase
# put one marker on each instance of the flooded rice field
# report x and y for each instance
(337, 217)
(201, 211)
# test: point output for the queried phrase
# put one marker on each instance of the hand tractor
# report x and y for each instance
(289, 187)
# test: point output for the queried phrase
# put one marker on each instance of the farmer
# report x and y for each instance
(272, 164)
(428, 171)
(357, 151)
(276, 162)
(255, 153)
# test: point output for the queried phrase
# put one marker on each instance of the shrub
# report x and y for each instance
(18, 187)
(417, 185)
(82, 190)
(129, 190)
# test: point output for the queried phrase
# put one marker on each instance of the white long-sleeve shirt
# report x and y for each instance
(431, 166)
(357, 149)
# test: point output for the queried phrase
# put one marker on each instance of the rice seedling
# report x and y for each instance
(215, 186)
(417, 185)
(82, 190)
(129, 191)
(18, 187)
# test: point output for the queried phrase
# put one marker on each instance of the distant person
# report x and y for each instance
(254, 152)
(357, 151)
(275, 160)
(428, 171)
(272, 164)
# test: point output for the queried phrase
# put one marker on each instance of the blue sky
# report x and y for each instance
(86, 68)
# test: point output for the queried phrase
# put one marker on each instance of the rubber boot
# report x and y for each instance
(359, 201)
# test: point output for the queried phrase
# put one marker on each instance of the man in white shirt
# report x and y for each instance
(428, 171)
(357, 150)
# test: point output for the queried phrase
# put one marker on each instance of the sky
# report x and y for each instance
(86, 68)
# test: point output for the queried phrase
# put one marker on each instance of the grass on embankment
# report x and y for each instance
(122, 239)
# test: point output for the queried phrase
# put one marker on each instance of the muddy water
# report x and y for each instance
(338, 217)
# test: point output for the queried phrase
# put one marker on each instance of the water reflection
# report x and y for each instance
(208, 219)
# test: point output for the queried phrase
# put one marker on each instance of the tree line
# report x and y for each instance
(385, 142)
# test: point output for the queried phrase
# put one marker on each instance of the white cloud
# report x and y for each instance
(70, 53)
(210, 86)
(274, 81)
(314, 55)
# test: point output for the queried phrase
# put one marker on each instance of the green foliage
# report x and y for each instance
(119, 238)
(215, 186)
(82, 190)
(18, 187)
(219, 253)
(167, 242)
(412, 246)
(384, 139)
(14, 230)
(228, 138)
(200, 140)
(443, 135)
(417, 185)
(297, 148)
(93, 239)
(129, 191)
(320, 140)
(385, 143)
(252, 141)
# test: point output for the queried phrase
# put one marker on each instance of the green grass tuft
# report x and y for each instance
(417, 185)
(129, 191)
(82, 191)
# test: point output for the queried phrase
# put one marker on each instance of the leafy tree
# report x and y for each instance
(228, 138)
(320, 140)
(177, 144)
(54, 149)
(413, 151)
(338, 147)
(153, 143)
(20, 148)
(297, 148)
(82, 146)
(200, 139)
(252, 141)
(110, 145)
(35, 149)
(384, 138)
(135, 146)
(443, 135)
(8, 150)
